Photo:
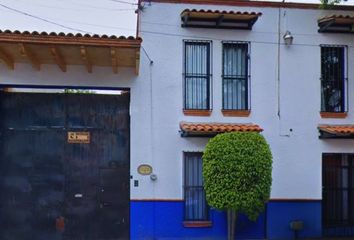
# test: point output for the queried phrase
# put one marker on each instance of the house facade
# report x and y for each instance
(128, 166)
(219, 62)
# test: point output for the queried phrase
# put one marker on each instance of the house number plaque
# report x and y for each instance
(144, 169)
(79, 137)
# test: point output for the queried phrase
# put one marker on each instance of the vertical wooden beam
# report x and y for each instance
(7, 59)
(185, 19)
(114, 59)
(26, 52)
(85, 58)
(58, 58)
(137, 61)
(219, 20)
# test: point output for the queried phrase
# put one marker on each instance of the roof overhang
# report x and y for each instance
(258, 4)
(336, 24)
(218, 19)
(69, 49)
(189, 129)
(336, 131)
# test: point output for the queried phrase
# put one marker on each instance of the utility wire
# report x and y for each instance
(88, 5)
(147, 55)
(253, 31)
(79, 9)
(149, 32)
(223, 39)
(120, 1)
(96, 25)
(42, 19)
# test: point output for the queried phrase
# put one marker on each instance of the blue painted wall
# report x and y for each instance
(164, 220)
(281, 213)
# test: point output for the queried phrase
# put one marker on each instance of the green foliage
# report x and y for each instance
(325, 4)
(78, 91)
(237, 171)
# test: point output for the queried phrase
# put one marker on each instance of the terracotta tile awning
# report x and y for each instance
(69, 49)
(189, 129)
(218, 19)
(336, 131)
(336, 24)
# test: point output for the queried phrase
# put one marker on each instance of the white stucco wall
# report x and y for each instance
(51, 75)
(157, 100)
(297, 153)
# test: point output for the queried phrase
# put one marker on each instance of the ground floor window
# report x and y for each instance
(338, 194)
(195, 206)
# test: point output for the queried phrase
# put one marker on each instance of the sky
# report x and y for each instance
(116, 17)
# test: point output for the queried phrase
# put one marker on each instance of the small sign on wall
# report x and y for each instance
(79, 137)
(144, 169)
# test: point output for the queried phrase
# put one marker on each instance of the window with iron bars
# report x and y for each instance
(235, 75)
(338, 194)
(333, 78)
(195, 205)
(197, 74)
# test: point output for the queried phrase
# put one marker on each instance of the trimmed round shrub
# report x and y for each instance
(237, 172)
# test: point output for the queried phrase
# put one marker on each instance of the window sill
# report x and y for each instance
(236, 113)
(197, 224)
(333, 114)
(202, 113)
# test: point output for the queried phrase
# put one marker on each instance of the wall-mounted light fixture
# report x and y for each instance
(288, 38)
(153, 177)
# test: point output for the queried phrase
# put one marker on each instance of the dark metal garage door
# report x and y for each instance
(64, 166)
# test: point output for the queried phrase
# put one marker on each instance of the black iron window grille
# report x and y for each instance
(333, 78)
(338, 194)
(195, 205)
(235, 75)
(197, 75)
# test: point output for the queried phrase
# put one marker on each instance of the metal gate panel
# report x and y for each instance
(54, 188)
(29, 110)
(32, 184)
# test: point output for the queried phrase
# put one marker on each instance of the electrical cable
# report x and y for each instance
(147, 55)
(223, 39)
(42, 19)
(88, 5)
(148, 32)
(96, 25)
(125, 2)
(253, 31)
(80, 10)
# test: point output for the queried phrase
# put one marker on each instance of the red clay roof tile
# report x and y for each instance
(215, 128)
(61, 34)
(340, 19)
(337, 129)
(222, 12)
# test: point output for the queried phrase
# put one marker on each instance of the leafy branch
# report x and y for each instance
(326, 4)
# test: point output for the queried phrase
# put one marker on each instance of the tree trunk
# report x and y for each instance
(231, 224)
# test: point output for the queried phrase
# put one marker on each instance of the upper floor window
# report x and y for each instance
(235, 76)
(333, 78)
(197, 75)
(195, 205)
